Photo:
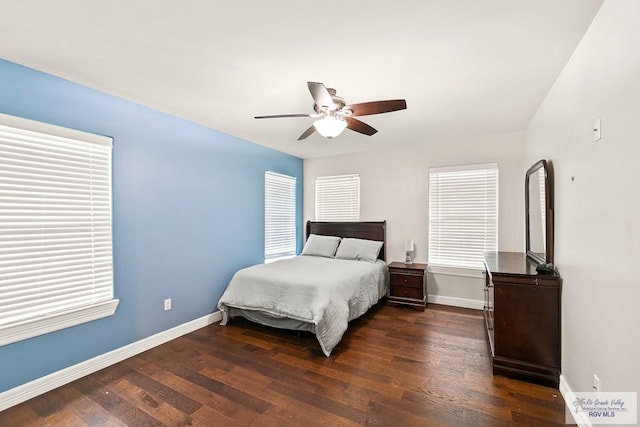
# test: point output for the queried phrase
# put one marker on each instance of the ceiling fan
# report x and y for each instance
(334, 115)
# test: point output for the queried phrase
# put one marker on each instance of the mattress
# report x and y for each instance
(309, 293)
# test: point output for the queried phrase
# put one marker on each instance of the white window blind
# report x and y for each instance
(55, 228)
(279, 216)
(338, 198)
(463, 215)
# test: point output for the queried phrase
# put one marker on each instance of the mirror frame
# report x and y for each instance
(548, 190)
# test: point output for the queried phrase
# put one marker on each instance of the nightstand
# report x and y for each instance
(408, 284)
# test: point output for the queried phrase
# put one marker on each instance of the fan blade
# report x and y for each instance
(376, 107)
(321, 96)
(279, 116)
(307, 132)
(360, 127)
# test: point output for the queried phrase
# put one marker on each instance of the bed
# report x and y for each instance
(315, 292)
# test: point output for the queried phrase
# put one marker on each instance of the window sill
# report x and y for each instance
(456, 271)
(54, 322)
(270, 260)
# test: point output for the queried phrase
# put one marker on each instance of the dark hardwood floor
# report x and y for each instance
(394, 367)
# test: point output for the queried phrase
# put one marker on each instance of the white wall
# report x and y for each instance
(394, 187)
(597, 197)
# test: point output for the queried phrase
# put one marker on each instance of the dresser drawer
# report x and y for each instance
(406, 292)
(406, 280)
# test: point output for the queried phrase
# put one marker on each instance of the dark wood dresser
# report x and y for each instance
(522, 317)
(408, 284)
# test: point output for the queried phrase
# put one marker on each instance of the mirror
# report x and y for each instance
(538, 186)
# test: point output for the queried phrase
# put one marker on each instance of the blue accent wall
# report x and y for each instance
(188, 211)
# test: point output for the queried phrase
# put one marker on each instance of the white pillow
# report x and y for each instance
(318, 245)
(359, 249)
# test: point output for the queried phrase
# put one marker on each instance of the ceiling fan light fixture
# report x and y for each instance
(330, 127)
(334, 115)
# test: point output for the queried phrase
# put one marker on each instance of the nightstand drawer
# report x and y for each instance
(406, 292)
(407, 280)
(408, 285)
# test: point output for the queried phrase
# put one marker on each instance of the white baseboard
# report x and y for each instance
(456, 302)
(569, 396)
(56, 379)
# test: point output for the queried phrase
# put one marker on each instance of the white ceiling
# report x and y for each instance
(465, 67)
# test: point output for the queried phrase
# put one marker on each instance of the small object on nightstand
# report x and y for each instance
(408, 284)
(408, 248)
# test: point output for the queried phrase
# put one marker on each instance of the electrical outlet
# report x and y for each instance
(167, 304)
(596, 383)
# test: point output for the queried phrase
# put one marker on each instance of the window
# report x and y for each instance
(338, 198)
(56, 267)
(279, 216)
(463, 215)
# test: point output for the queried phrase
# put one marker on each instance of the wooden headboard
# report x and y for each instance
(358, 230)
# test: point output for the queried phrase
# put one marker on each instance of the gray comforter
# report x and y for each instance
(325, 292)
